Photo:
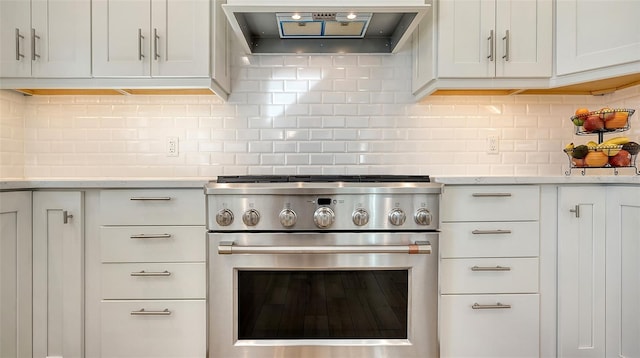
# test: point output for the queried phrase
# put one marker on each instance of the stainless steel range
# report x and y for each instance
(322, 266)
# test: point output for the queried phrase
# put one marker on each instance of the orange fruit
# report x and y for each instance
(582, 112)
(596, 159)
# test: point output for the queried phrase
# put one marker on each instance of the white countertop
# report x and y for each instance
(199, 183)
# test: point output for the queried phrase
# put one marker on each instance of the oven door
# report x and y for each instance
(318, 295)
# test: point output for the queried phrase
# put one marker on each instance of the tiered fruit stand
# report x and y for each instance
(612, 121)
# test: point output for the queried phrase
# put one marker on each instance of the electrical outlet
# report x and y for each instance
(493, 144)
(172, 146)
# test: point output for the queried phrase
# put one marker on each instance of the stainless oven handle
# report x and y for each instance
(419, 247)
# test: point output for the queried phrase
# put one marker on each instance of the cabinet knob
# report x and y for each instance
(66, 216)
(576, 210)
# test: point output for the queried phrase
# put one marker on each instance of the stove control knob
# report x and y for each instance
(360, 217)
(422, 217)
(323, 217)
(251, 217)
(288, 217)
(224, 217)
(397, 217)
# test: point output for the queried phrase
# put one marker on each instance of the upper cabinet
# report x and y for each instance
(596, 34)
(41, 38)
(158, 38)
(495, 38)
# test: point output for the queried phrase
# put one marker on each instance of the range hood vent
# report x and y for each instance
(287, 26)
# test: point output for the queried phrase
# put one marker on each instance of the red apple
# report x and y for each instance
(622, 159)
(593, 123)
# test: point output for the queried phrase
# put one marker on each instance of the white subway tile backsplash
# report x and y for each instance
(295, 114)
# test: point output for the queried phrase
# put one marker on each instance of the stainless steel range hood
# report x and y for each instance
(324, 26)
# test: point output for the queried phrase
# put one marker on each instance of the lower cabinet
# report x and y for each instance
(15, 274)
(58, 274)
(598, 271)
(489, 325)
(153, 328)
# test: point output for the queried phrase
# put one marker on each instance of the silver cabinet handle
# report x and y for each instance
(66, 216)
(506, 46)
(576, 210)
(150, 236)
(491, 268)
(34, 55)
(490, 195)
(143, 312)
(18, 38)
(144, 273)
(140, 38)
(156, 38)
(490, 38)
(150, 198)
(498, 305)
(419, 247)
(490, 232)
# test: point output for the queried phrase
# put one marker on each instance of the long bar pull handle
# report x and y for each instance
(34, 55)
(156, 38)
(150, 236)
(491, 268)
(498, 305)
(490, 232)
(419, 247)
(576, 210)
(140, 38)
(143, 312)
(490, 38)
(18, 38)
(490, 195)
(66, 216)
(150, 198)
(144, 273)
(506, 46)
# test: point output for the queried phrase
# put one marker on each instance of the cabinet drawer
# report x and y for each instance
(179, 332)
(152, 207)
(490, 203)
(489, 275)
(152, 243)
(153, 280)
(489, 239)
(489, 332)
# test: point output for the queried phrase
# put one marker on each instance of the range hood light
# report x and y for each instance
(296, 16)
(351, 16)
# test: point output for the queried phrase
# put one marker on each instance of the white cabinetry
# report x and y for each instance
(42, 38)
(596, 34)
(598, 271)
(495, 38)
(489, 252)
(58, 290)
(153, 273)
(15, 274)
(159, 38)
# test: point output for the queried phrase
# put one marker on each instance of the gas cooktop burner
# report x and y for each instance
(323, 178)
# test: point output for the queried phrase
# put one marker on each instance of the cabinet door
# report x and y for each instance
(15, 274)
(121, 38)
(623, 272)
(596, 34)
(180, 38)
(58, 274)
(15, 34)
(422, 48)
(581, 271)
(466, 33)
(63, 43)
(524, 38)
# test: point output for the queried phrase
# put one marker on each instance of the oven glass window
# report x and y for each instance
(322, 304)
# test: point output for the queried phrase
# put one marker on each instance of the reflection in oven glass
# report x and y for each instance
(322, 304)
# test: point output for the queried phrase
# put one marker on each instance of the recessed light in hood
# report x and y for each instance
(299, 26)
